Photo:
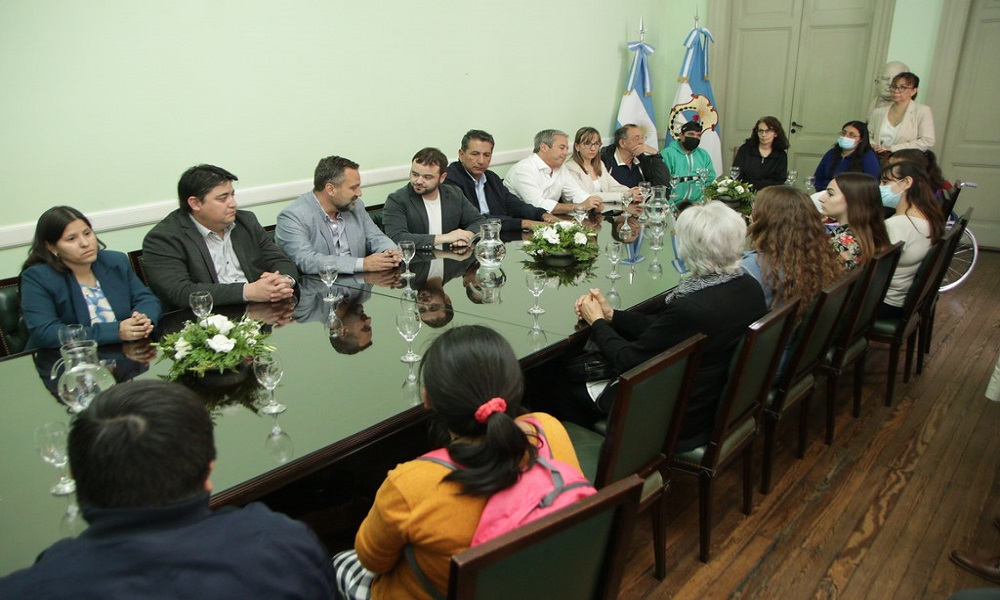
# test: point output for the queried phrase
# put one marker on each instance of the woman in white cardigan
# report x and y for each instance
(586, 167)
(904, 123)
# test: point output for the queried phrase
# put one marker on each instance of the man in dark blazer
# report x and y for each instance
(208, 245)
(428, 213)
(484, 188)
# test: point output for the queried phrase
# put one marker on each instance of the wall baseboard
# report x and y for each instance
(13, 236)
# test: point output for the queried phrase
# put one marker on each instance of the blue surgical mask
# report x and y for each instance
(846, 143)
(889, 198)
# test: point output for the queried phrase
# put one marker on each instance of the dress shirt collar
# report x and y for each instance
(541, 166)
(326, 215)
(621, 163)
(205, 231)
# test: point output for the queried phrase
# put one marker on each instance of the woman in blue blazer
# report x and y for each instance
(69, 278)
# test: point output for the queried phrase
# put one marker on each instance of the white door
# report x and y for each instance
(971, 150)
(810, 63)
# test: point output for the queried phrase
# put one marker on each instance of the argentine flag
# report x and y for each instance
(637, 103)
(694, 96)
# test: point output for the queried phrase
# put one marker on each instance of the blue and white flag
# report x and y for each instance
(694, 96)
(637, 102)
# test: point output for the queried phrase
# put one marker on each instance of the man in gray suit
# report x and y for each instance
(209, 245)
(330, 224)
(428, 213)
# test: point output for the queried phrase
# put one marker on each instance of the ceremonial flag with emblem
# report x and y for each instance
(637, 102)
(694, 96)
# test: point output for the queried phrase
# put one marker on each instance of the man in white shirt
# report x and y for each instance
(428, 213)
(541, 179)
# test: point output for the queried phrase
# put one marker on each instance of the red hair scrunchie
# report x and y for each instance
(489, 407)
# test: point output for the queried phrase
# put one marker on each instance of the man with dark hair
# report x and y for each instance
(630, 160)
(484, 188)
(330, 224)
(685, 159)
(542, 179)
(142, 454)
(209, 245)
(427, 213)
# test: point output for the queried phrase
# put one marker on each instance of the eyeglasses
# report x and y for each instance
(900, 88)
(596, 144)
(763, 131)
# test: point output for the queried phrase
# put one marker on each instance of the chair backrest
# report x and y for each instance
(13, 331)
(926, 279)
(750, 375)
(950, 199)
(578, 552)
(953, 237)
(645, 420)
(815, 333)
(138, 265)
(868, 294)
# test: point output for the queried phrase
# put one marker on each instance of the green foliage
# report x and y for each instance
(214, 343)
(562, 237)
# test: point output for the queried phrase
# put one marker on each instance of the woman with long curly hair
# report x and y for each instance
(792, 257)
(853, 200)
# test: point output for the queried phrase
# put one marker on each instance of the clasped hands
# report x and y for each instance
(271, 287)
(593, 306)
(136, 327)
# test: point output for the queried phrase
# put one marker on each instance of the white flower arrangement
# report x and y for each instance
(566, 237)
(214, 343)
(738, 191)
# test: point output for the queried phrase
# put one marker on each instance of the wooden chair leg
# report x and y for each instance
(705, 515)
(747, 477)
(922, 344)
(803, 425)
(859, 382)
(908, 363)
(659, 514)
(765, 467)
(894, 350)
(831, 403)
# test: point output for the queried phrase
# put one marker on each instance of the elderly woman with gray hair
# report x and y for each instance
(718, 299)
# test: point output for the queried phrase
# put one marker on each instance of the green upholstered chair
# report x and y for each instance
(896, 331)
(577, 552)
(642, 432)
(795, 384)
(850, 345)
(737, 415)
(135, 259)
(375, 212)
(13, 332)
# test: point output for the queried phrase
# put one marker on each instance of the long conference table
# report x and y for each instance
(350, 416)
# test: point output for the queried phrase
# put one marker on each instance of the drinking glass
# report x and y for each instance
(734, 172)
(408, 248)
(536, 285)
(50, 441)
(408, 324)
(614, 298)
(626, 230)
(579, 212)
(201, 304)
(328, 274)
(646, 189)
(69, 334)
(614, 252)
(279, 444)
(267, 369)
(793, 176)
(810, 184)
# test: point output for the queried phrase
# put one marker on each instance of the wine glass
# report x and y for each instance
(408, 248)
(646, 189)
(279, 444)
(793, 176)
(410, 391)
(579, 212)
(536, 285)
(734, 172)
(408, 324)
(201, 303)
(328, 273)
(810, 184)
(614, 252)
(50, 441)
(613, 298)
(69, 334)
(655, 268)
(537, 339)
(267, 369)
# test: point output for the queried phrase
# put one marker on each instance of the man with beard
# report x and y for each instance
(330, 224)
(684, 158)
(427, 213)
(541, 179)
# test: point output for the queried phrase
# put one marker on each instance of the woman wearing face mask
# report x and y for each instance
(904, 123)
(851, 153)
(853, 200)
(918, 223)
(762, 159)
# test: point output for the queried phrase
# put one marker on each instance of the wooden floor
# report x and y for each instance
(876, 514)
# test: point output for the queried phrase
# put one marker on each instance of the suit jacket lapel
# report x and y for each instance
(192, 233)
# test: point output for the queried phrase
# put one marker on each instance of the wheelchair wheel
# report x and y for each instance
(962, 262)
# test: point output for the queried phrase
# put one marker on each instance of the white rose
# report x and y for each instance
(181, 348)
(220, 322)
(579, 238)
(550, 235)
(722, 189)
(221, 343)
(251, 341)
(565, 224)
(740, 189)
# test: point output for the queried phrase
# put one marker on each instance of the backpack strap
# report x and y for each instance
(412, 559)
(541, 434)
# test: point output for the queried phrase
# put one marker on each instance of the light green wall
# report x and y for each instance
(106, 102)
(914, 34)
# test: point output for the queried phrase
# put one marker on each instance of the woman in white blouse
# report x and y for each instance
(586, 167)
(903, 124)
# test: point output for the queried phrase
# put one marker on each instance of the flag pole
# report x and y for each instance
(642, 31)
